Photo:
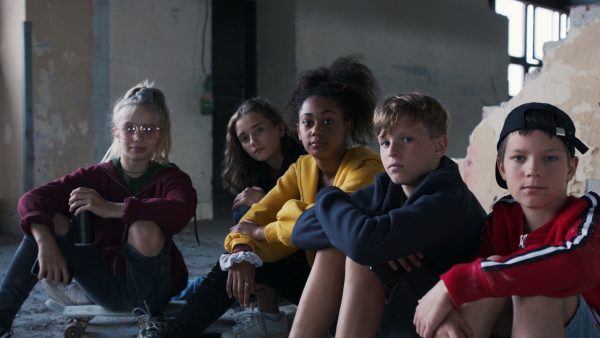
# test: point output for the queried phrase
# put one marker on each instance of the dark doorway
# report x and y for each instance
(234, 78)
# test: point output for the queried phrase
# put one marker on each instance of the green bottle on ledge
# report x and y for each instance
(206, 100)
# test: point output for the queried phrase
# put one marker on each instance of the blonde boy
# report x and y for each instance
(420, 204)
(541, 246)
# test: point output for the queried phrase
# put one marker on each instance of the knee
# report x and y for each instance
(61, 224)
(331, 255)
(331, 259)
(544, 302)
(146, 237)
(537, 304)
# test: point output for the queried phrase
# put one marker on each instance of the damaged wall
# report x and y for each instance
(62, 87)
(61, 90)
(85, 55)
(12, 15)
(570, 80)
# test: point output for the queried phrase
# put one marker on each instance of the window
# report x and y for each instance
(529, 27)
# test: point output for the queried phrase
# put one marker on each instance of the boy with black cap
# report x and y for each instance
(537, 274)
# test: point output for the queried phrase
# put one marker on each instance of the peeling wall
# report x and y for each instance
(12, 15)
(85, 55)
(570, 80)
(62, 87)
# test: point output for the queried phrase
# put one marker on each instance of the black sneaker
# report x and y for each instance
(5, 333)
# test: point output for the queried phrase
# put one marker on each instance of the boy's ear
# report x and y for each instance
(572, 167)
(500, 165)
(441, 145)
(281, 130)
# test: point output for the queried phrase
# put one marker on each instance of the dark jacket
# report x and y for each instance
(441, 219)
(261, 175)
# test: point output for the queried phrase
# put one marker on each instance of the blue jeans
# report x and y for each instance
(192, 286)
(147, 280)
(239, 213)
(583, 323)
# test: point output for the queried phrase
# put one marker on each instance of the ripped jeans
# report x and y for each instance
(147, 280)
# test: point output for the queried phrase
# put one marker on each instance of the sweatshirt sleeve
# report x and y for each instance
(287, 208)
(281, 231)
(42, 203)
(566, 268)
(277, 209)
(308, 233)
(172, 211)
(436, 216)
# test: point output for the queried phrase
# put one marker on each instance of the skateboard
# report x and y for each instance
(80, 316)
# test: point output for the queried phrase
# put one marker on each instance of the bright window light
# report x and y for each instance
(545, 29)
(529, 28)
(515, 79)
(515, 12)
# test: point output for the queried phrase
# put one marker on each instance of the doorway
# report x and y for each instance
(234, 78)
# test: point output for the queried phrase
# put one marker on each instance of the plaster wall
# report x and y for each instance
(12, 15)
(61, 90)
(162, 41)
(276, 46)
(569, 79)
(456, 51)
(86, 54)
(62, 87)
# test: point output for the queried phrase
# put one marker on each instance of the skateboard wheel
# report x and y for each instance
(74, 330)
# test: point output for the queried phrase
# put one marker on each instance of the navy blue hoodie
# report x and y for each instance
(441, 219)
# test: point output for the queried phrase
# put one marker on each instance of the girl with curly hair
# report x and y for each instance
(328, 109)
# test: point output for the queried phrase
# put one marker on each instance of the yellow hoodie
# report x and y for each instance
(295, 192)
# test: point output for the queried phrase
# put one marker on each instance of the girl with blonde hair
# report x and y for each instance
(137, 200)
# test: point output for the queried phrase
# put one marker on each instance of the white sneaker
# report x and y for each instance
(5, 333)
(257, 325)
(150, 327)
(72, 294)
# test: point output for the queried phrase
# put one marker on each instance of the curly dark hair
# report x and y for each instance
(357, 100)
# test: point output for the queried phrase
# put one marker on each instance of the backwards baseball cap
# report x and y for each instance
(564, 129)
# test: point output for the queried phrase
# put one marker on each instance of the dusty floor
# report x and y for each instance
(35, 320)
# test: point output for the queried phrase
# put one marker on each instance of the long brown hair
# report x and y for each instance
(236, 174)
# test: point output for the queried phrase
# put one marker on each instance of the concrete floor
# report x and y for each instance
(35, 320)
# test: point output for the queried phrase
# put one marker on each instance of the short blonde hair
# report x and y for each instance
(416, 107)
(146, 96)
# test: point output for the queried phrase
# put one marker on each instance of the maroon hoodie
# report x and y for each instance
(168, 199)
